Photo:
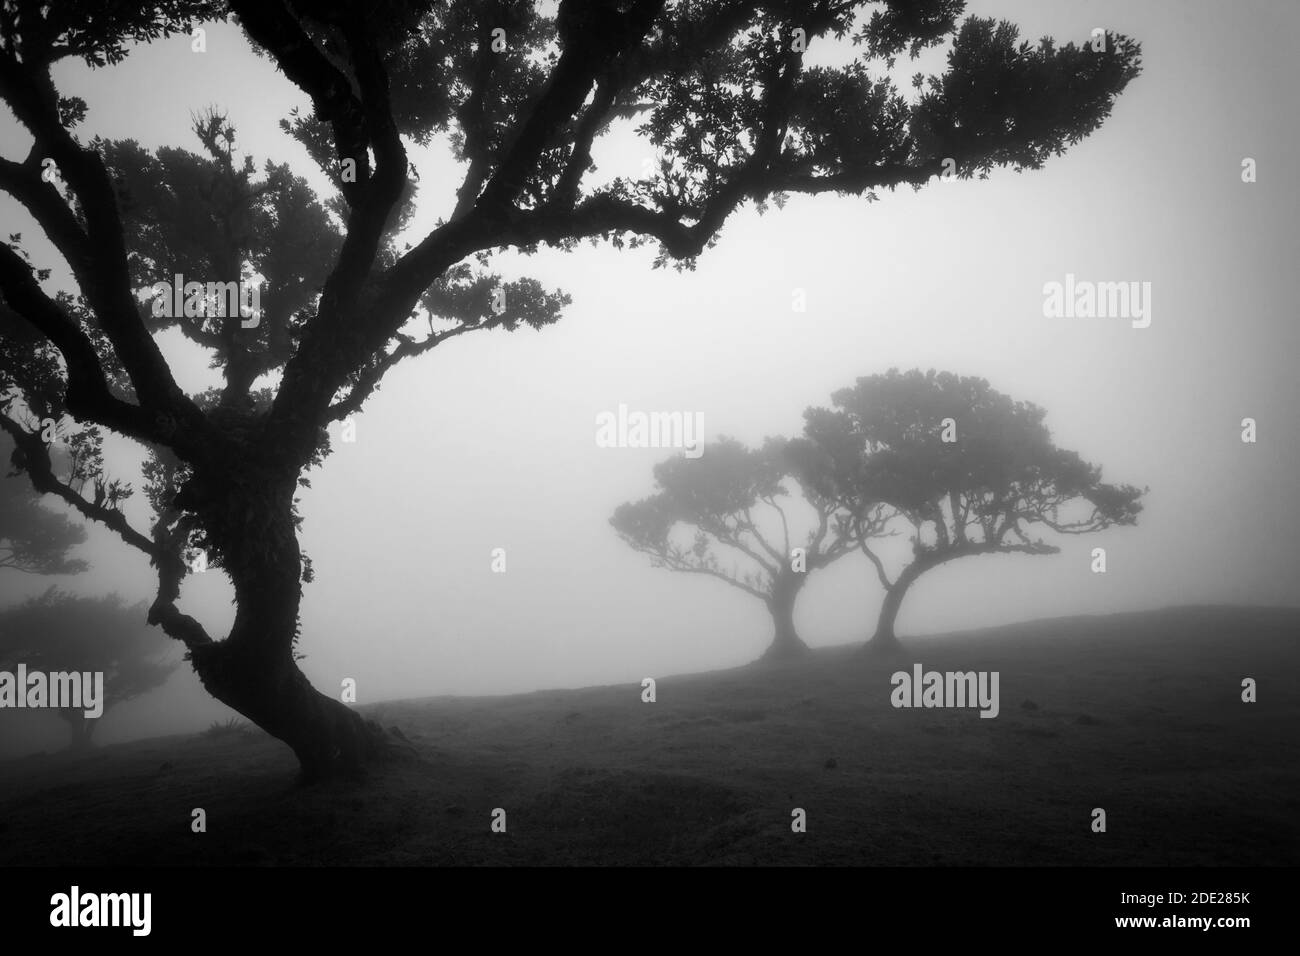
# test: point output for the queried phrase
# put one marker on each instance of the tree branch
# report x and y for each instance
(676, 562)
(104, 276)
(88, 394)
(40, 471)
(879, 565)
(592, 35)
(271, 25)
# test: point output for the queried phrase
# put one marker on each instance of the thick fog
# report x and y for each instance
(489, 441)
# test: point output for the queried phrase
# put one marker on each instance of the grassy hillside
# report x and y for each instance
(1139, 714)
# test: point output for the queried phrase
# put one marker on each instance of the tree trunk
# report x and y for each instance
(253, 671)
(885, 641)
(265, 685)
(80, 729)
(786, 643)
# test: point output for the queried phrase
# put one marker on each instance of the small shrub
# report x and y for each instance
(234, 725)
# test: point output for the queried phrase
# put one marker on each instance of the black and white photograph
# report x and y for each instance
(852, 442)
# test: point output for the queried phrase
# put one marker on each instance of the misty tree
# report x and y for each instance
(965, 469)
(34, 539)
(520, 93)
(732, 502)
(63, 632)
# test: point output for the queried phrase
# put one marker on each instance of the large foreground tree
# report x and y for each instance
(965, 469)
(521, 92)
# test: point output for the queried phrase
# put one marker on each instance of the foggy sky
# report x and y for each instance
(488, 441)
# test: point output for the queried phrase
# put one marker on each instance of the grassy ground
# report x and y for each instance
(1139, 714)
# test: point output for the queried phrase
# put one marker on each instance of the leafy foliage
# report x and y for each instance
(56, 631)
(38, 31)
(730, 499)
(986, 490)
(33, 538)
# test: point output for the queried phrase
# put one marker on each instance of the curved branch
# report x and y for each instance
(749, 525)
(674, 560)
(730, 537)
(88, 394)
(878, 564)
(171, 570)
(104, 276)
(163, 612)
(40, 470)
(785, 524)
(41, 199)
(273, 28)
(603, 34)
(370, 378)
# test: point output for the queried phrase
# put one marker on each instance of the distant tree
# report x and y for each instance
(719, 91)
(985, 491)
(721, 500)
(33, 538)
(63, 632)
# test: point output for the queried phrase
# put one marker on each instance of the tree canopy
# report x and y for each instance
(56, 631)
(735, 503)
(966, 469)
(33, 538)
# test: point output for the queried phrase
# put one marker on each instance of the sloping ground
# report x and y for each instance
(1139, 714)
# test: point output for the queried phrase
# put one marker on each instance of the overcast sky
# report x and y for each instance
(488, 441)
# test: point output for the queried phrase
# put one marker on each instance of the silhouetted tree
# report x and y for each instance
(968, 470)
(722, 500)
(63, 632)
(720, 90)
(33, 538)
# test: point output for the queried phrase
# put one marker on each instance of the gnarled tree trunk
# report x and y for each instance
(266, 686)
(80, 729)
(885, 641)
(786, 643)
(249, 520)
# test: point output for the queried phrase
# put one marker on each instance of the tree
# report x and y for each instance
(33, 538)
(62, 632)
(719, 90)
(724, 496)
(966, 469)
